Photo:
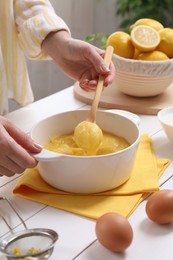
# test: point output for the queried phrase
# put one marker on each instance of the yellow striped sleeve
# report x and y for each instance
(3, 88)
(35, 20)
(25, 24)
(14, 80)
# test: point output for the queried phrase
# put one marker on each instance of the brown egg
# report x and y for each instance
(159, 207)
(114, 232)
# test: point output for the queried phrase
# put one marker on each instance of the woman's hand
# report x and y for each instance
(15, 147)
(78, 59)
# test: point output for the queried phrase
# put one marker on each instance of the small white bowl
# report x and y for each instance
(142, 78)
(165, 117)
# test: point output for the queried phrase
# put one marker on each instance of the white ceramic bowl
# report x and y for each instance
(84, 174)
(165, 117)
(142, 78)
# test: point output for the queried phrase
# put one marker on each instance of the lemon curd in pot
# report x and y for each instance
(65, 144)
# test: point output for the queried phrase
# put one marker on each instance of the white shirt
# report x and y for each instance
(24, 25)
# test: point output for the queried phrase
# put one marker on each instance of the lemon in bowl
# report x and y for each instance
(149, 22)
(121, 42)
(149, 72)
(166, 41)
(152, 56)
(145, 38)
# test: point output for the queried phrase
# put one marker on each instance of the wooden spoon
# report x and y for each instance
(88, 134)
(99, 89)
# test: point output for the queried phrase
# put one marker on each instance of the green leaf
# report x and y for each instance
(99, 37)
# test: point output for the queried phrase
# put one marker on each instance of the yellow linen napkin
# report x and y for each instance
(123, 200)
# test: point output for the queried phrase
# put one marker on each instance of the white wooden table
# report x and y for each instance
(77, 238)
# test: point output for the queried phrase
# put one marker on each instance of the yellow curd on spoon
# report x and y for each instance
(88, 136)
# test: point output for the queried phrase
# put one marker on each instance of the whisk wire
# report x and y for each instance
(15, 211)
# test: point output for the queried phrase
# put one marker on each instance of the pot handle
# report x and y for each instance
(135, 118)
(46, 155)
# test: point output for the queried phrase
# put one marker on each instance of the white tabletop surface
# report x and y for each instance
(77, 239)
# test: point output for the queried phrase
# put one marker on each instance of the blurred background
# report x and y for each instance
(90, 17)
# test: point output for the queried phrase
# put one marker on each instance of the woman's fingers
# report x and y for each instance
(16, 147)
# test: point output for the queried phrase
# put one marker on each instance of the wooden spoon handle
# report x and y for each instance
(99, 89)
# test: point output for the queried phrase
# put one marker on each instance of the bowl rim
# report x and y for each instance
(142, 67)
(143, 61)
(162, 113)
(43, 156)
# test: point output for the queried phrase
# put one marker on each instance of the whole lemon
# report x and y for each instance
(136, 53)
(166, 42)
(121, 42)
(149, 22)
(152, 56)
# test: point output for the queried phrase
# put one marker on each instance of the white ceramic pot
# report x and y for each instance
(84, 174)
